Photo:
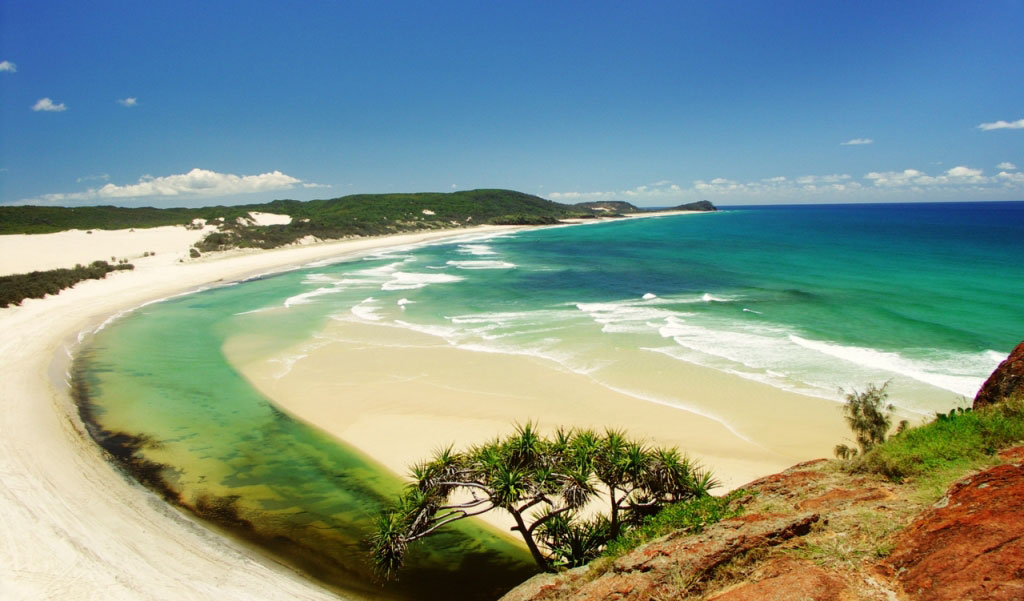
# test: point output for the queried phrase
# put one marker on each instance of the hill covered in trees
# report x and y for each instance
(611, 207)
(356, 215)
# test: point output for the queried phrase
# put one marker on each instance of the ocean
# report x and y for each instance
(818, 300)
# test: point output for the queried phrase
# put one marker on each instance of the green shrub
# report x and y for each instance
(691, 516)
(952, 440)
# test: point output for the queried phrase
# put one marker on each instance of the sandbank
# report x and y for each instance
(397, 395)
(73, 527)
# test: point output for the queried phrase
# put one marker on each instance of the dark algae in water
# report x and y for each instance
(158, 396)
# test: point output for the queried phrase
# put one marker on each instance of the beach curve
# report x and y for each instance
(73, 526)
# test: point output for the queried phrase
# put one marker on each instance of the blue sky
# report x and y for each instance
(196, 103)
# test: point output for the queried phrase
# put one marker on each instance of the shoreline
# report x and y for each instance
(427, 394)
(74, 527)
(54, 473)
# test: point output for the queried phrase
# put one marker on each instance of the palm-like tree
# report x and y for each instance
(870, 418)
(543, 483)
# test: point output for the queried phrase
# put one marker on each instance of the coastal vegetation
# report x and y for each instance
(378, 214)
(355, 215)
(37, 284)
(621, 207)
(949, 442)
(691, 516)
(952, 441)
(546, 485)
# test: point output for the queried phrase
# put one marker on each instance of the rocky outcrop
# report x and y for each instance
(1006, 380)
(700, 205)
(672, 566)
(788, 579)
(874, 541)
(970, 545)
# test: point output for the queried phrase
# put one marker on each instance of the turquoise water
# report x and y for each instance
(810, 299)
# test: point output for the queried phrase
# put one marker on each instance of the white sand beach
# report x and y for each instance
(74, 528)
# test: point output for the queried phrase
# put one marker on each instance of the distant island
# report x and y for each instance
(627, 208)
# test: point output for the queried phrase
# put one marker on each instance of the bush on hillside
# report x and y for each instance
(37, 284)
(953, 439)
(870, 419)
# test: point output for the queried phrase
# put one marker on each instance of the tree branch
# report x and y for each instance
(537, 499)
(465, 505)
(448, 519)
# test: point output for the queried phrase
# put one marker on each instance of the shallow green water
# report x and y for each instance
(159, 373)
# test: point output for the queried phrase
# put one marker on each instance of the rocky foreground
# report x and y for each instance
(814, 533)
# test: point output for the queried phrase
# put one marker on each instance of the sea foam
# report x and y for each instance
(482, 264)
(403, 280)
(930, 372)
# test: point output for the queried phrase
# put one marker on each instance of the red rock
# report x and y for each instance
(676, 564)
(970, 545)
(1014, 455)
(787, 482)
(786, 580)
(547, 586)
(842, 496)
(1007, 379)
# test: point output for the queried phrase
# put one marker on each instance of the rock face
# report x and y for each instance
(672, 566)
(786, 580)
(1007, 379)
(970, 545)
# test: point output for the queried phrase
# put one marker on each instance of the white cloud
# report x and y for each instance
(957, 176)
(1011, 178)
(1006, 165)
(1018, 124)
(197, 183)
(312, 185)
(962, 171)
(957, 183)
(45, 104)
(857, 142)
(92, 178)
(660, 191)
(8, 67)
(128, 102)
(666, 193)
(833, 178)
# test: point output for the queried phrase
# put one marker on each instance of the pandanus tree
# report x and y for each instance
(544, 484)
